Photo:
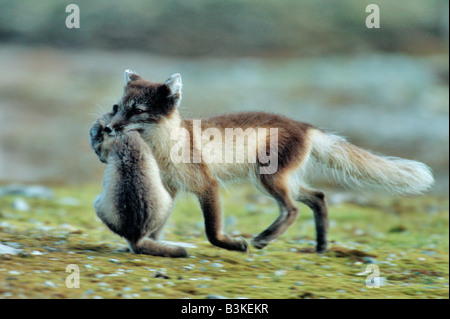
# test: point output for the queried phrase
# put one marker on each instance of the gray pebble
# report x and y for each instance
(369, 260)
(20, 205)
(8, 250)
(48, 283)
(32, 191)
(280, 272)
(211, 296)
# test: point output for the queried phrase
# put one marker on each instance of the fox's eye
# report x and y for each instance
(115, 108)
(138, 111)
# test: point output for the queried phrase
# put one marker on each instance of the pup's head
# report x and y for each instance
(144, 102)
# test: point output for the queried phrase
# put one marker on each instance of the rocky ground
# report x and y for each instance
(46, 232)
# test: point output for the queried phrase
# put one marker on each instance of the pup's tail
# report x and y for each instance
(355, 167)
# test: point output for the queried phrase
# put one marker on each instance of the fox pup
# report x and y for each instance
(301, 152)
(134, 203)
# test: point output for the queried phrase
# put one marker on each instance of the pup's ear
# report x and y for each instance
(131, 76)
(174, 84)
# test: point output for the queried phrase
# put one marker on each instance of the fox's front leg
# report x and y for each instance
(212, 213)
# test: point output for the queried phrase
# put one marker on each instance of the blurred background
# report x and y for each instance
(385, 89)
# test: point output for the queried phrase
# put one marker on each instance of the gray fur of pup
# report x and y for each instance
(134, 203)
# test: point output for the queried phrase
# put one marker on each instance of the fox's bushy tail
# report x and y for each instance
(352, 166)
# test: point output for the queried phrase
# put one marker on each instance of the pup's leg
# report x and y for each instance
(152, 247)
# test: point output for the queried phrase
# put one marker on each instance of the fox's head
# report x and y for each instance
(144, 102)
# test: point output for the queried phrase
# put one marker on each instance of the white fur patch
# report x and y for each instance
(175, 85)
(333, 157)
(127, 75)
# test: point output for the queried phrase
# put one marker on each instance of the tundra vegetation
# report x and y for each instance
(407, 238)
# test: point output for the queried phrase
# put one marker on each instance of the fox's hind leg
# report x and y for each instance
(316, 201)
(277, 187)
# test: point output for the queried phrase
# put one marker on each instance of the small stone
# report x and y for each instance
(161, 275)
(69, 201)
(369, 260)
(126, 289)
(34, 191)
(36, 253)
(50, 284)
(280, 272)
(429, 252)
(21, 205)
(114, 261)
(8, 250)
(211, 296)
(230, 221)
(298, 283)
(216, 265)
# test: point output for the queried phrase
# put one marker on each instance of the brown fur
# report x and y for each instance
(152, 110)
(134, 203)
(202, 178)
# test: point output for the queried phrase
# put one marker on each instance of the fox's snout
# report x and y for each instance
(115, 125)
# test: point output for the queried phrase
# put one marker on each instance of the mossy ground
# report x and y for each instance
(407, 239)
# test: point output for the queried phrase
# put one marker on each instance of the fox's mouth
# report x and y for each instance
(133, 129)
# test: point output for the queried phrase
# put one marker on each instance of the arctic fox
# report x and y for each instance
(301, 151)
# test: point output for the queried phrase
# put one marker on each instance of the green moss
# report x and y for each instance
(407, 239)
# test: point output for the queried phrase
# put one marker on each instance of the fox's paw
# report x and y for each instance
(96, 137)
(259, 243)
(240, 243)
(236, 243)
(230, 243)
(321, 248)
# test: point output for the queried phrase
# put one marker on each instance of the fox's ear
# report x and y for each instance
(130, 76)
(174, 84)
